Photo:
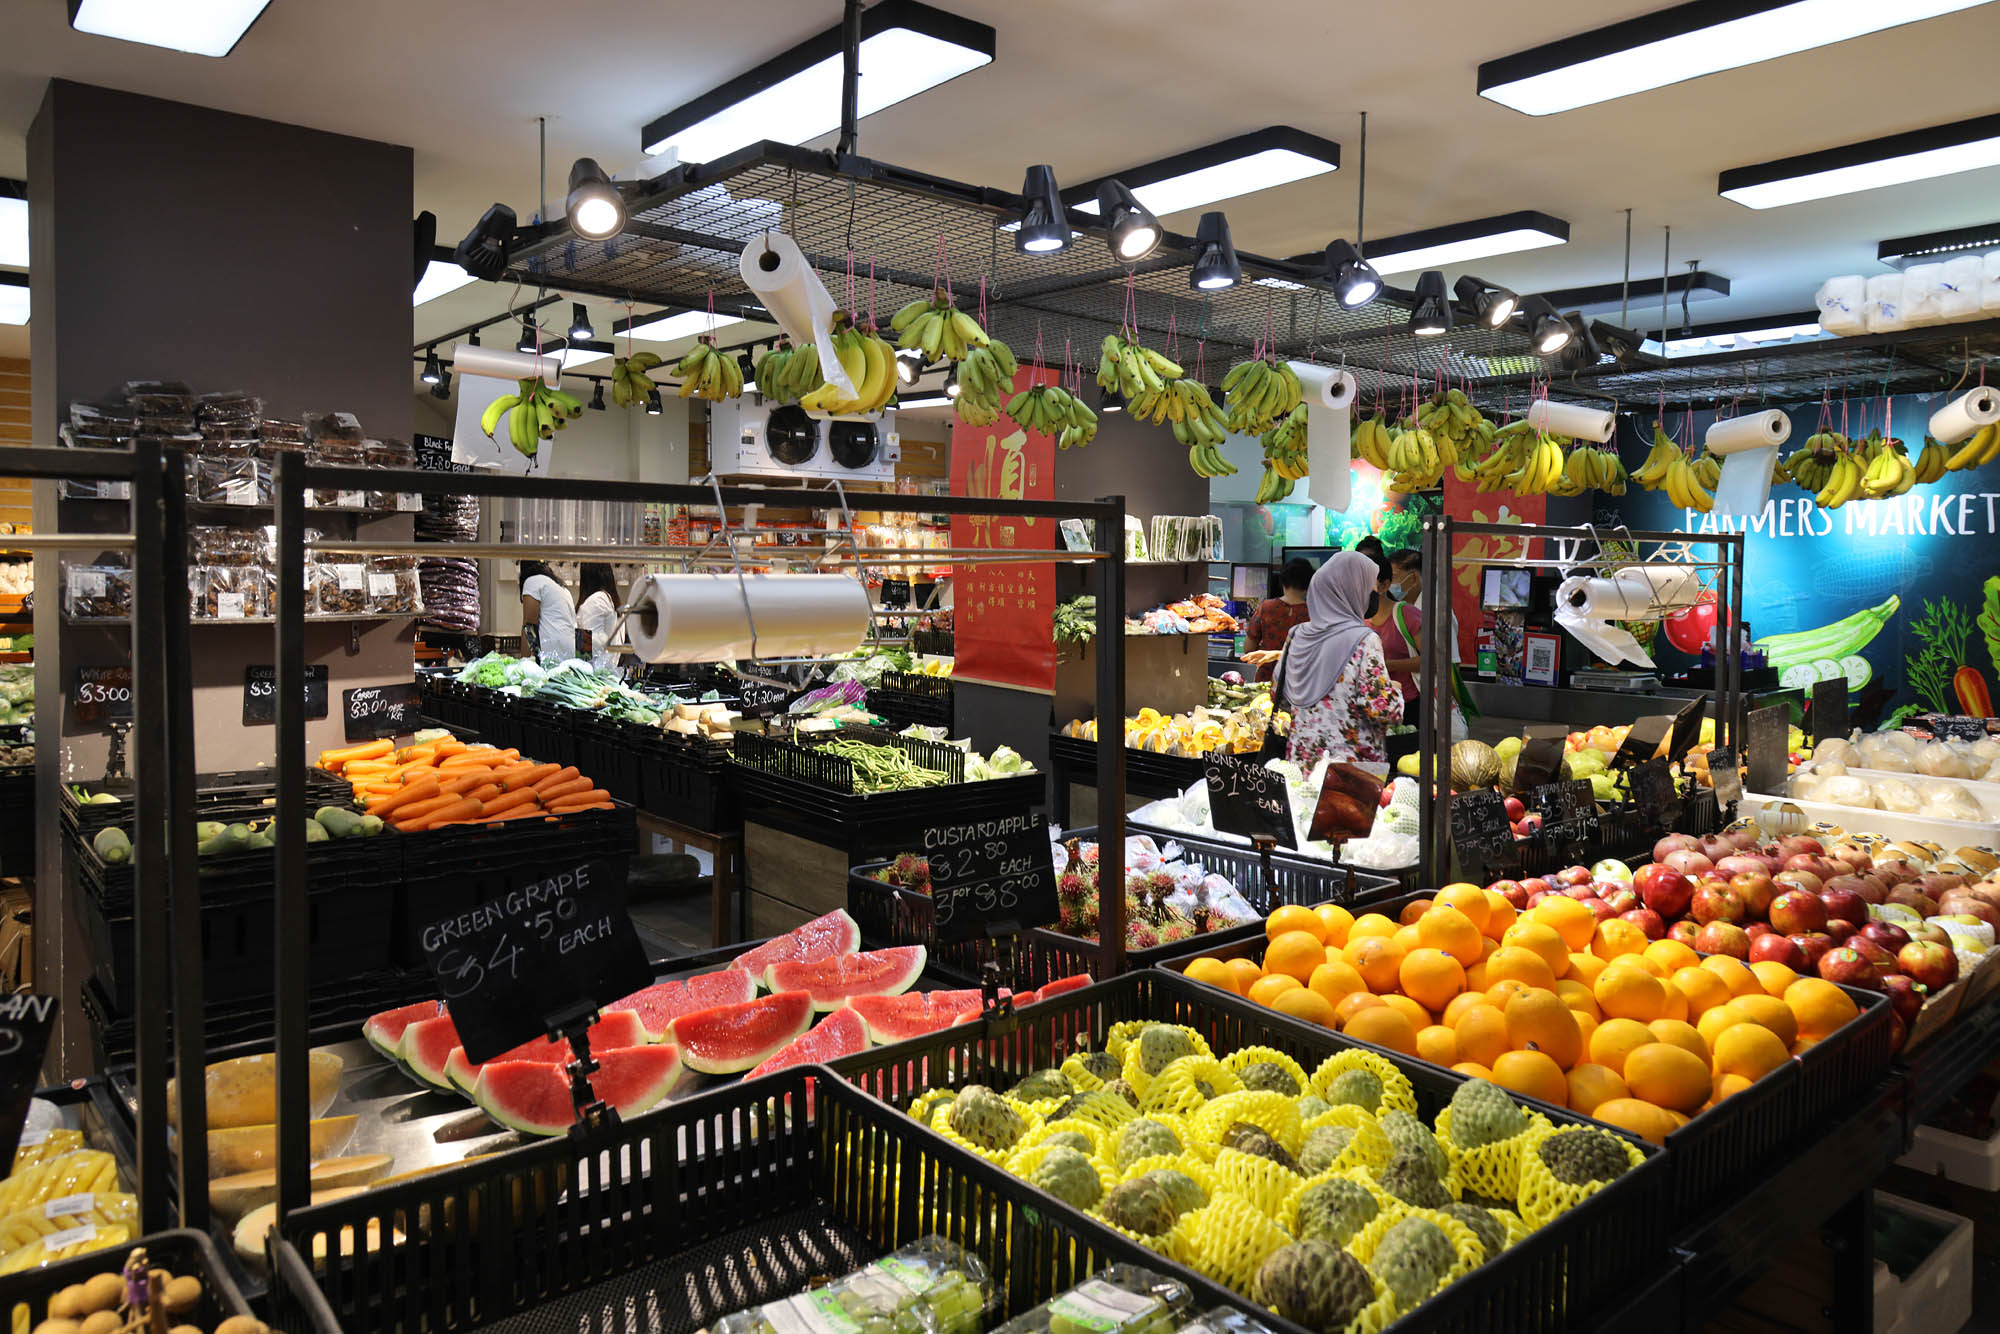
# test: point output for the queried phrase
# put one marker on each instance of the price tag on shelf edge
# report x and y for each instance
(1956, 727)
(100, 694)
(762, 698)
(1482, 833)
(1248, 799)
(1767, 752)
(260, 699)
(1827, 717)
(1568, 809)
(1542, 748)
(505, 965)
(26, 1020)
(993, 875)
(371, 712)
(1653, 792)
(1727, 777)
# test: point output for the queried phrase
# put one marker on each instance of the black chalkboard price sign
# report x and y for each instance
(1248, 799)
(994, 875)
(26, 1020)
(1542, 750)
(762, 698)
(1828, 714)
(1568, 809)
(1482, 834)
(1642, 741)
(1768, 757)
(260, 693)
(506, 966)
(381, 711)
(1956, 727)
(1687, 729)
(1727, 777)
(1654, 794)
(101, 694)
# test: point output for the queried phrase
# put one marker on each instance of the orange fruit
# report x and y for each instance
(1469, 899)
(1500, 915)
(1383, 1026)
(1590, 1085)
(1735, 974)
(1418, 1016)
(1500, 993)
(1821, 1007)
(1514, 963)
(1337, 920)
(1475, 976)
(1586, 1024)
(1717, 1018)
(1640, 1117)
(1585, 968)
(1336, 978)
(1304, 1003)
(1532, 1074)
(1538, 937)
(1246, 971)
(1703, 989)
(1378, 959)
(1615, 936)
(1446, 928)
(1677, 1004)
(1474, 1069)
(1350, 1005)
(1482, 1034)
(1577, 996)
(1295, 917)
(1725, 1085)
(1641, 963)
(1671, 955)
(1773, 1014)
(1212, 971)
(1615, 1039)
(1406, 938)
(1371, 924)
(1460, 1003)
(1631, 993)
(1774, 977)
(1412, 910)
(1572, 921)
(1750, 1050)
(1541, 1022)
(1432, 978)
(1271, 986)
(1438, 1045)
(1295, 954)
(1668, 1076)
(1681, 1034)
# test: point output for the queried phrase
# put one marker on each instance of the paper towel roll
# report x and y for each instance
(775, 269)
(503, 363)
(701, 617)
(1956, 421)
(1635, 593)
(1328, 386)
(1753, 430)
(1571, 419)
(1329, 455)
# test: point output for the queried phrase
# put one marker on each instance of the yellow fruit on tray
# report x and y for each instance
(1295, 917)
(1482, 1034)
(1336, 980)
(1682, 1034)
(1438, 1045)
(1350, 1005)
(1820, 1006)
(1446, 928)
(1432, 978)
(244, 1091)
(1512, 963)
(1541, 1022)
(1669, 1076)
(1539, 937)
(1378, 959)
(1384, 1026)
(1774, 977)
(1630, 993)
(1304, 1003)
(1418, 1016)
(1245, 971)
(1617, 1039)
(1671, 955)
(1637, 1115)
(1591, 1084)
(1337, 920)
(1773, 1014)
(1571, 920)
(1295, 954)
(1212, 971)
(1469, 899)
(1749, 1050)
(1735, 974)
(1703, 989)
(1532, 1074)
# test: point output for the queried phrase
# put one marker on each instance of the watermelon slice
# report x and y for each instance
(899, 1018)
(831, 981)
(425, 1047)
(612, 1032)
(821, 938)
(533, 1096)
(724, 1039)
(1059, 986)
(841, 1033)
(663, 1002)
(385, 1030)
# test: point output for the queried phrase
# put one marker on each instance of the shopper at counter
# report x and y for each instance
(548, 612)
(597, 616)
(1276, 617)
(1333, 676)
(1406, 586)
(1399, 650)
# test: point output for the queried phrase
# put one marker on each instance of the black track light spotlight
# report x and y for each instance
(1110, 400)
(748, 369)
(1133, 231)
(1582, 348)
(952, 388)
(909, 365)
(595, 209)
(1488, 303)
(1546, 329)
(1431, 316)
(1355, 282)
(1215, 267)
(1044, 225)
(653, 406)
(484, 251)
(1624, 346)
(433, 372)
(529, 340)
(442, 389)
(579, 324)
(597, 397)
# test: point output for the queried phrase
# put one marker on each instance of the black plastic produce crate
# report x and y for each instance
(1147, 773)
(24, 1297)
(607, 751)
(234, 877)
(933, 643)
(1717, 1151)
(912, 699)
(897, 916)
(249, 794)
(1948, 1061)
(335, 1009)
(543, 731)
(1547, 1282)
(688, 780)
(18, 824)
(806, 761)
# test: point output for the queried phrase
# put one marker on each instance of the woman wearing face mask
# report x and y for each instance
(1332, 676)
(1399, 648)
(1406, 586)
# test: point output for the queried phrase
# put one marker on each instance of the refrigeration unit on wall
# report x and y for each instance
(752, 437)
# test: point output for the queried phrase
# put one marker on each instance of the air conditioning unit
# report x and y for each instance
(753, 437)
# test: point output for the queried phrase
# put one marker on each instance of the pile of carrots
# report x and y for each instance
(447, 782)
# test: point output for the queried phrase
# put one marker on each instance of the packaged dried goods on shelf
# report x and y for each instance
(340, 588)
(231, 481)
(97, 592)
(279, 437)
(160, 398)
(212, 544)
(229, 592)
(394, 585)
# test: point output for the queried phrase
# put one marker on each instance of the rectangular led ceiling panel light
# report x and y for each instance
(440, 276)
(1686, 42)
(906, 48)
(198, 27)
(1902, 251)
(1275, 155)
(1942, 150)
(1642, 295)
(667, 328)
(1463, 242)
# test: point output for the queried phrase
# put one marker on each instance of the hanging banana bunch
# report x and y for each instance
(1689, 484)
(1461, 431)
(707, 373)
(1055, 411)
(1811, 465)
(1889, 471)
(1652, 474)
(933, 326)
(1934, 462)
(787, 374)
(985, 378)
(870, 364)
(630, 384)
(1284, 457)
(534, 412)
(1259, 392)
(1135, 372)
(1417, 458)
(1978, 451)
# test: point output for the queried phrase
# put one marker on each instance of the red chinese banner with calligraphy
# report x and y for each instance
(1466, 503)
(1002, 614)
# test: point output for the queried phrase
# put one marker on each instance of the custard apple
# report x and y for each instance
(1144, 1138)
(1042, 1084)
(1246, 1138)
(1070, 1177)
(1268, 1077)
(1310, 1105)
(1072, 1139)
(1333, 1211)
(1407, 1132)
(1314, 1284)
(1356, 1088)
(1142, 1206)
(1482, 1113)
(1492, 1236)
(1161, 1043)
(1100, 1064)
(1183, 1191)
(986, 1119)
(1323, 1145)
(1098, 1104)
(1409, 1178)
(1579, 1157)
(1413, 1257)
(1123, 1090)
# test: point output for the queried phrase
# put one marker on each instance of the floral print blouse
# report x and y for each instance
(1352, 724)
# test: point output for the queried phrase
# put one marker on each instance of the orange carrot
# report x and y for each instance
(418, 809)
(566, 774)
(485, 792)
(461, 808)
(593, 794)
(518, 813)
(508, 801)
(472, 759)
(550, 793)
(528, 775)
(407, 795)
(586, 806)
(458, 784)
(336, 760)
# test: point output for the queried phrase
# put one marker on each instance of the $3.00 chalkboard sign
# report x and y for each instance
(1482, 833)
(1568, 808)
(260, 693)
(993, 875)
(1249, 799)
(101, 694)
(509, 964)
(381, 711)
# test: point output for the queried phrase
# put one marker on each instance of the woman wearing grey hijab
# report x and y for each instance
(1333, 676)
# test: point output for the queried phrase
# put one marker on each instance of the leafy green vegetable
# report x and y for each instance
(1942, 630)
(1075, 621)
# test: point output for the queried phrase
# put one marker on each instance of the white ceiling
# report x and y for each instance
(1095, 87)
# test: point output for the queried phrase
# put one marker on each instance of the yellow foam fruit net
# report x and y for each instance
(1174, 1090)
(1106, 1111)
(23, 1226)
(1100, 1142)
(1492, 1170)
(1073, 1070)
(1517, 1227)
(1542, 1198)
(1467, 1253)
(1385, 1203)
(1273, 1113)
(1243, 1058)
(1135, 1073)
(1122, 1035)
(52, 1144)
(1023, 1162)
(1370, 1146)
(1030, 1121)
(928, 1102)
(1397, 1092)
(1257, 1179)
(1186, 1164)
(1228, 1239)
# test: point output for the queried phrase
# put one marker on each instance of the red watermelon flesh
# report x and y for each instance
(821, 938)
(841, 1033)
(533, 1096)
(831, 981)
(663, 1002)
(724, 1039)
(614, 1031)
(1061, 985)
(425, 1047)
(899, 1018)
(385, 1030)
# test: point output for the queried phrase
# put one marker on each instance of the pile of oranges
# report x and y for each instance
(1550, 1003)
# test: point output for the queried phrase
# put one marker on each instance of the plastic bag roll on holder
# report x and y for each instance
(1957, 421)
(1748, 447)
(1329, 399)
(1586, 605)
(777, 271)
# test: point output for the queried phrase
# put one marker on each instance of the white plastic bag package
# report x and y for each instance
(1840, 301)
(1923, 290)
(1848, 791)
(1897, 794)
(1884, 306)
(1938, 760)
(1959, 288)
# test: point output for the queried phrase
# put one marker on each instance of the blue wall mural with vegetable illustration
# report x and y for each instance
(1901, 595)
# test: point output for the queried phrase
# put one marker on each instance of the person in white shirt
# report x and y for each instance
(547, 606)
(597, 615)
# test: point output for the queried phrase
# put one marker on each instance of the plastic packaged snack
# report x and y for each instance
(1121, 1299)
(103, 418)
(1224, 1320)
(229, 592)
(234, 408)
(394, 584)
(211, 544)
(36, 1221)
(931, 1286)
(97, 592)
(229, 442)
(339, 588)
(160, 397)
(230, 481)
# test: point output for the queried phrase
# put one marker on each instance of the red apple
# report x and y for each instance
(1715, 901)
(1929, 965)
(1779, 949)
(1689, 862)
(1511, 891)
(1805, 880)
(1388, 795)
(1931, 931)
(1757, 891)
(1758, 930)
(1539, 895)
(1793, 844)
(1899, 1032)
(1673, 843)
(1906, 998)
(1535, 884)
(1663, 889)
(1621, 899)
(1530, 824)
(1913, 898)
(1685, 932)
(1723, 938)
(1845, 903)
(1515, 808)
(1599, 909)
(1841, 930)
(1798, 910)
(1646, 920)
(1886, 934)
(1573, 875)
(1586, 889)
(1883, 959)
(1851, 968)
(1815, 945)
